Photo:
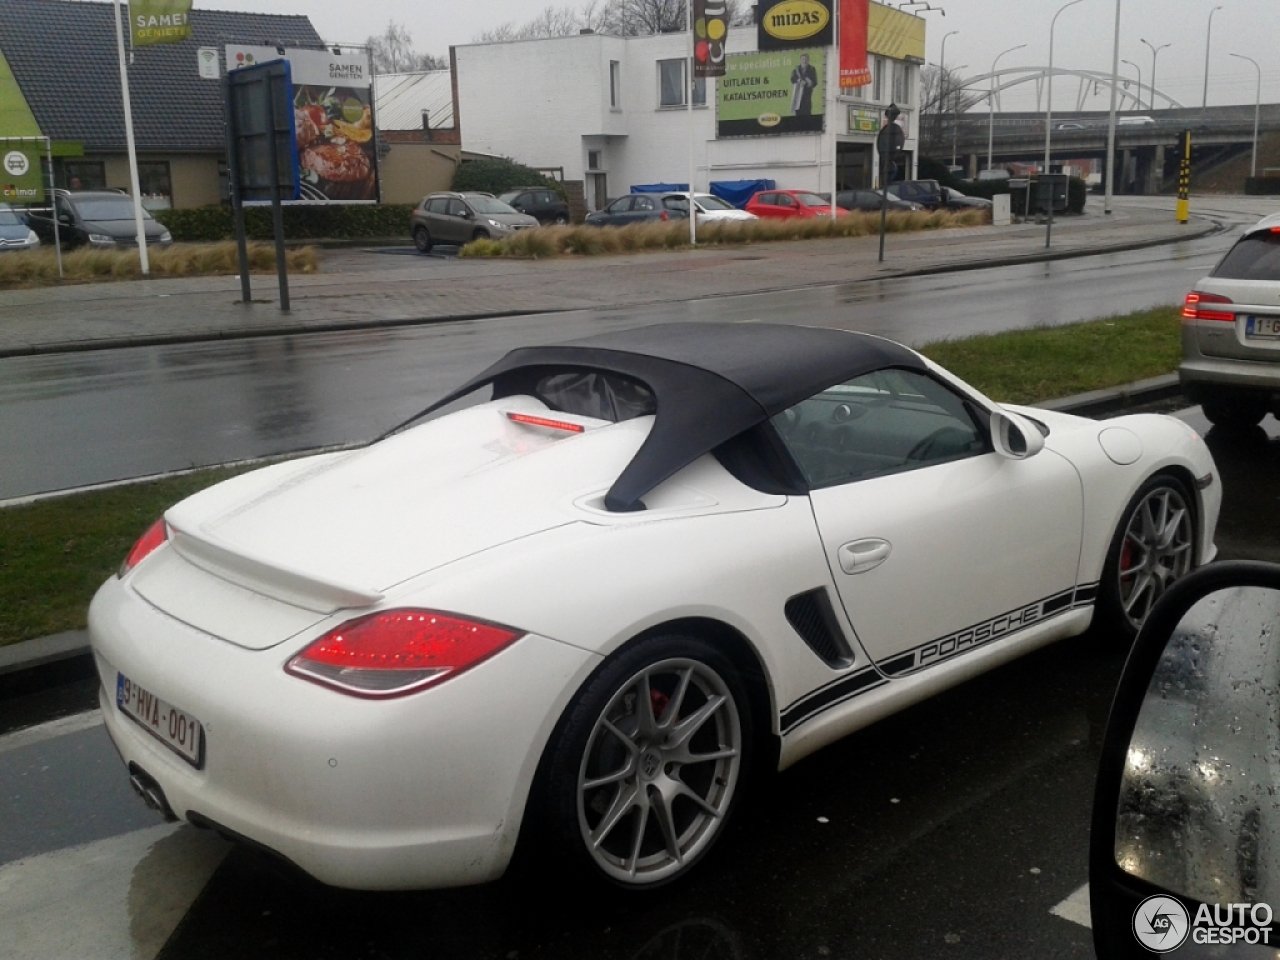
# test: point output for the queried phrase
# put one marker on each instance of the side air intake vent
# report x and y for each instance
(811, 615)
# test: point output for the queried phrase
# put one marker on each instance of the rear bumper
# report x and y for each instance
(422, 791)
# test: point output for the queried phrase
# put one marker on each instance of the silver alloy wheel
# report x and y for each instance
(1156, 551)
(659, 771)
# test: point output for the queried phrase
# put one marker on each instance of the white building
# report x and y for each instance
(613, 112)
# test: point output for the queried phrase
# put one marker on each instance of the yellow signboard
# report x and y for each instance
(895, 34)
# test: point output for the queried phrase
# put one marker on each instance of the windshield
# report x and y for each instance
(1255, 257)
(709, 202)
(811, 200)
(490, 205)
(108, 208)
(7, 217)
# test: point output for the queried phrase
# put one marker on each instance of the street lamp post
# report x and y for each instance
(1155, 52)
(1139, 69)
(944, 85)
(955, 115)
(1257, 106)
(991, 103)
(1110, 172)
(1048, 116)
(1208, 35)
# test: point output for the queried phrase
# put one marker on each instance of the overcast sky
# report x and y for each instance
(1083, 39)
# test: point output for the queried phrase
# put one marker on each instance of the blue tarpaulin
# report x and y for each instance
(658, 187)
(738, 192)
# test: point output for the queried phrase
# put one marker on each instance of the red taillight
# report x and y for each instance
(397, 652)
(546, 422)
(155, 536)
(1193, 309)
(663, 216)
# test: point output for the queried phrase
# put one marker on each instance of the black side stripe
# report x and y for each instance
(826, 697)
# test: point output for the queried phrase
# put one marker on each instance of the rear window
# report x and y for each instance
(1255, 257)
(591, 393)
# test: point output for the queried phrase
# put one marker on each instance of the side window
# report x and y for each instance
(457, 208)
(881, 423)
(438, 205)
(678, 204)
(644, 203)
(621, 205)
(785, 200)
(768, 199)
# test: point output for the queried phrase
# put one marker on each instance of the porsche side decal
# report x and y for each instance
(826, 697)
(979, 634)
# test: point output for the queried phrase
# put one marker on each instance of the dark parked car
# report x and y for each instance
(546, 206)
(871, 200)
(638, 208)
(458, 218)
(99, 218)
(953, 199)
(927, 193)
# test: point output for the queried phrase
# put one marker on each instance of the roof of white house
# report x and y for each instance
(400, 99)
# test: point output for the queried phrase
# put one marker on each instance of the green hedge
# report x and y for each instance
(498, 175)
(336, 222)
(1262, 186)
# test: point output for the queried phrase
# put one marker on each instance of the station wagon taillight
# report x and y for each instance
(1194, 308)
(395, 652)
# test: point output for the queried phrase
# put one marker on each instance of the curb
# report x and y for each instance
(71, 649)
(348, 326)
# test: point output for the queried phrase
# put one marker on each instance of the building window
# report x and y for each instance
(902, 83)
(615, 84)
(877, 79)
(593, 160)
(671, 83)
(155, 184)
(83, 175)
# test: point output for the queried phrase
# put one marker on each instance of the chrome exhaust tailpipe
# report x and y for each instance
(145, 786)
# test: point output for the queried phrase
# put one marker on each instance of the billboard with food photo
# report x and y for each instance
(333, 119)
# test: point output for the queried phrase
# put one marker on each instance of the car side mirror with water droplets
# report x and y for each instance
(1015, 437)
(1185, 846)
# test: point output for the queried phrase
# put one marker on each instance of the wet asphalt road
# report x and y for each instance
(949, 830)
(93, 417)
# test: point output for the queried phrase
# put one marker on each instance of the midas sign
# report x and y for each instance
(795, 23)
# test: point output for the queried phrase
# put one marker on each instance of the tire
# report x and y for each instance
(1233, 412)
(560, 220)
(480, 235)
(631, 792)
(422, 239)
(1154, 546)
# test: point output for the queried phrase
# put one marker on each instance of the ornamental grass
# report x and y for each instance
(39, 268)
(588, 241)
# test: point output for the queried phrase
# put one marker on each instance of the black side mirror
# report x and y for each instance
(1185, 846)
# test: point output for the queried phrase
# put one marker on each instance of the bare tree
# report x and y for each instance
(943, 100)
(392, 52)
(624, 18)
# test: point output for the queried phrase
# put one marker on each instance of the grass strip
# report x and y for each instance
(1044, 363)
(39, 268)
(588, 241)
(55, 553)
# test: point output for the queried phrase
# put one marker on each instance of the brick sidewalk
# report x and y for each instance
(370, 288)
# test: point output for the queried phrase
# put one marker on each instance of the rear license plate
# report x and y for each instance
(1262, 328)
(176, 729)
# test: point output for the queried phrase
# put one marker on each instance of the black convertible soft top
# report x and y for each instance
(710, 382)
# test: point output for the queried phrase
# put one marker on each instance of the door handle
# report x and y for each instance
(863, 555)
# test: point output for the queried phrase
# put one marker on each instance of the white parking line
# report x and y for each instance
(119, 898)
(1075, 908)
(50, 730)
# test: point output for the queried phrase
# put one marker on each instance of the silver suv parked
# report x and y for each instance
(1231, 332)
(458, 218)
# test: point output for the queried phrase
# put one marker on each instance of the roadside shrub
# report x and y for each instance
(583, 240)
(39, 268)
(332, 222)
(499, 174)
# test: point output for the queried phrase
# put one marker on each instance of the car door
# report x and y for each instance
(937, 544)
(786, 207)
(616, 213)
(642, 208)
(457, 221)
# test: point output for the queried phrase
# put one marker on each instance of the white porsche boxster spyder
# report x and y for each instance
(575, 614)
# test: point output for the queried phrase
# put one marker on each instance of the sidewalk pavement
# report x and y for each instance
(376, 289)
(370, 288)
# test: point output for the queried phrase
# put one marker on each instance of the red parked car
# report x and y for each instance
(789, 204)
